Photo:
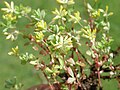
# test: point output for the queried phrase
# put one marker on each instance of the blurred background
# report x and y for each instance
(11, 66)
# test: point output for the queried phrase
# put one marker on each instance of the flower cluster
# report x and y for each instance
(70, 42)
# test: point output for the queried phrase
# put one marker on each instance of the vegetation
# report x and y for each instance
(62, 41)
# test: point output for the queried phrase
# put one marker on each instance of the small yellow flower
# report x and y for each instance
(41, 25)
(60, 14)
(15, 51)
(69, 2)
(9, 17)
(39, 36)
(96, 0)
(89, 34)
(76, 17)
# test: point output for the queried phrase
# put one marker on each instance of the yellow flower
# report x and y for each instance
(76, 17)
(89, 34)
(60, 13)
(9, 17)
(41, 25)
(15, 51)
(96, 0)
(69, 2)
(39, 36)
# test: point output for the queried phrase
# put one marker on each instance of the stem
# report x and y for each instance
(77, 53)
(70, 86)
(46, 77)
(48, 50)
(97, 65)
(72, 54)
(85, 4)
(80, 24)
(90, 19)
(99, 80)
(32, 39)
(28, 18)
(88, 62)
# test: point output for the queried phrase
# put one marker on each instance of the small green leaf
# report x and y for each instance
(7, 4)
(70, 72)
(61, 61)
(89, 7)
(38, 15)
(88, 52)
(51, 37)
(80, 63)
(26, 58)
(10, 83)
(34, 62)
(47, 69)
(71, 61)
(70, 80)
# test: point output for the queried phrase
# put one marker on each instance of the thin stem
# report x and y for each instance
(47, 79)
(85, 4)
(88, 62)
(28, 18)
(72, 54)
(48, 50)
(77, 53)
(90, 19)
(99, 79)
(32, 38)
(80, 24)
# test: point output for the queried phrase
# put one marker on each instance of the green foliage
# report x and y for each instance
(68, 2)
(60, 14)
(38, 15)
(26, 58)
(12, 84)
(61, 39)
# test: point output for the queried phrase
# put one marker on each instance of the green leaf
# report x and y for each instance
(9, 7)
(12, 5)
(70, 80)
(80, 63)
(34, 62)
(10, 83)
(61, 40)
(38, 15)
(51, 37)
(13, 85)
(61, 61)
(71, 61)
(26, 58)
(47, 69)
(88, 52)
(7, 4)
(70, 72)
(89, 7)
